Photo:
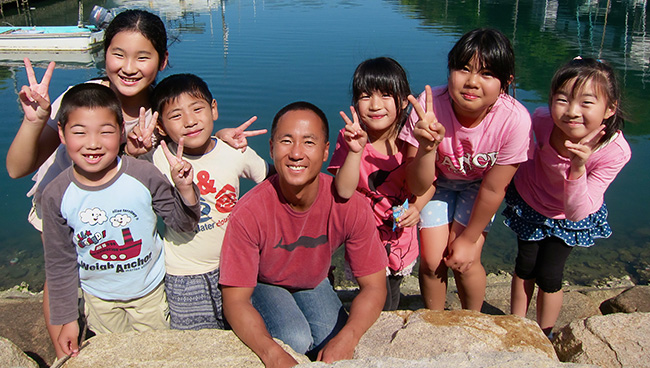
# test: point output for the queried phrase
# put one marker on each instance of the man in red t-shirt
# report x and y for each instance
(278, 247)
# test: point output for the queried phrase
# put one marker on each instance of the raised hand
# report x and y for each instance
(355, 136)
(428, 131)
(236, 137)
(580, 152)
(34, 98)
(181, 170)
(139, 139)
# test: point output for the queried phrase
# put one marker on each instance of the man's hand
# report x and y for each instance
(340, 347)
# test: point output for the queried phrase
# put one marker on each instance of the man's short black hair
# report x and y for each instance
(298, 106)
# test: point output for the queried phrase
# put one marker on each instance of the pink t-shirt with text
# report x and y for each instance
(504, 137)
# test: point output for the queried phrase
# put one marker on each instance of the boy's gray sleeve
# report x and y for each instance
(167, 201)
(61, 271)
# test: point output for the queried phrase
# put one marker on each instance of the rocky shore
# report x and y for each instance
(410, 337)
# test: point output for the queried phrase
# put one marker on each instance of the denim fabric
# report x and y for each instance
(305, 320)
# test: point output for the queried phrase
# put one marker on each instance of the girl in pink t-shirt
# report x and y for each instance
(370, 159)
(475, 135)
(557, 200)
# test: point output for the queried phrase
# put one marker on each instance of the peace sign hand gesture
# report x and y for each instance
(236, 137)
(428, 130)
(34, 98)
(580, 152)
(181, 171)
(139, 140)
(354, 135)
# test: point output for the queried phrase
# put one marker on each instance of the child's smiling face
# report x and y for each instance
(92, 138)
(132, 63)
(473, 90)
(579, 111)
(193, 119)
(378, 112)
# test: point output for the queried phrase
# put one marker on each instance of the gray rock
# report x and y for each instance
(426, 334)
(169, 349)
(613, 340)
(635, 299)
(12, 357)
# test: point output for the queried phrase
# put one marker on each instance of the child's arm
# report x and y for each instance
(347, 176)
(61, 270)
(462, 250)
(181, 173)
(584, 190)
(139, 140)
(236, 137)
(429, 133)
(33, 143)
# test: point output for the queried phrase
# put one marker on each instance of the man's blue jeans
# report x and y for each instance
(305, 320)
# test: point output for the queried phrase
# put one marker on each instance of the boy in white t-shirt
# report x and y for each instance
(187, 112)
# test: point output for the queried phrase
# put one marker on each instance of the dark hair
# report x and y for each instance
(492, 50)
(580, 71)
(172, 87)
(385, 75)
(143, 22)
(90, 96)
(299, 106)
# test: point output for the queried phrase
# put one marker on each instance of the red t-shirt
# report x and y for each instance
(269, 242)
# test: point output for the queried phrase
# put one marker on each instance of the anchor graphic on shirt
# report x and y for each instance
(111, 251)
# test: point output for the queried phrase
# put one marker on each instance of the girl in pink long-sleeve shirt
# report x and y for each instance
(556, 201)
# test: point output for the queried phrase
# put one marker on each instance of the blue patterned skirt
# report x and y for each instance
(530, 225)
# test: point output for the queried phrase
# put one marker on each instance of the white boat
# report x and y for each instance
(50, 38)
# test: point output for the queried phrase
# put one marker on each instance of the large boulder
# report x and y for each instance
(635, 299)
(613, 340)
(12, 356)
(403, 338)
(169, 348)
(425, 333)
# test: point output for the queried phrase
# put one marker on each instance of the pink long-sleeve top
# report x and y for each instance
(543, 181)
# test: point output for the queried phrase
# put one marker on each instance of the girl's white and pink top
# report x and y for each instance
(543, 181)
(504, 137)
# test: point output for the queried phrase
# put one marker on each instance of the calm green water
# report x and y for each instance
(258, 56)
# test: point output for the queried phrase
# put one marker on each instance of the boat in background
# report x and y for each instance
(57, 38)
(52, 38)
